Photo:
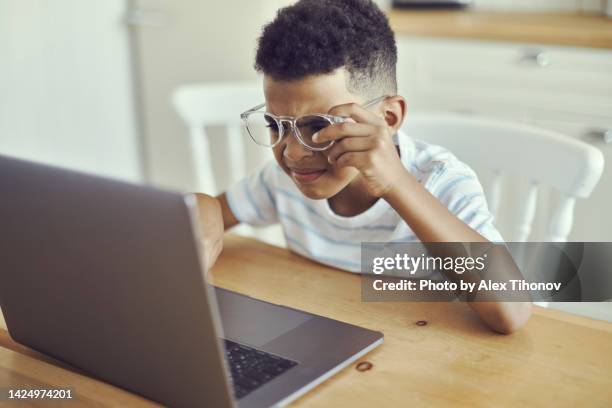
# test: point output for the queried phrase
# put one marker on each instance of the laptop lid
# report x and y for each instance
(106, 276)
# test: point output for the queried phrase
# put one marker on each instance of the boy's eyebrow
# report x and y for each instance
(268, 110)
(309, 111)
(314, 112)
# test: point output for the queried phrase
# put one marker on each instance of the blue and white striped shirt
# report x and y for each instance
(312, 229)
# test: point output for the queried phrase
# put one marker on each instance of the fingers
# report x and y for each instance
(213, 250)
(348, 144)
(357, 113)
(360, 123)
(346, 129)
(359, 160)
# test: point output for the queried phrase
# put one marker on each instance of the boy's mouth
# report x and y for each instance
(306, 175)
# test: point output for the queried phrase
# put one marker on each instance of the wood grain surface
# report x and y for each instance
(574, 29)
(556, 360)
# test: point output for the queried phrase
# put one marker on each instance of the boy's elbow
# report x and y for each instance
(510, 317)
(503, 317)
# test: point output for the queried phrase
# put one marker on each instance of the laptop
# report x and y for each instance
(106, 276)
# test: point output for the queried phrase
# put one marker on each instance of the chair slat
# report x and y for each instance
(493, 193)
(526, 213)
(200, 151)
(562, 220)
(237, 163)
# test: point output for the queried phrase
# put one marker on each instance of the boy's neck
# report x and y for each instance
(352, 200)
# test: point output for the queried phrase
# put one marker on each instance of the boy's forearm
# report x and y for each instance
(432, 222)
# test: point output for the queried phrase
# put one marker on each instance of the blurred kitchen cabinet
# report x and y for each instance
(518, 79)
(567, 89)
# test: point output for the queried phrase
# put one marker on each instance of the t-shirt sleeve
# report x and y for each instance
(252, 200)
(458, 189)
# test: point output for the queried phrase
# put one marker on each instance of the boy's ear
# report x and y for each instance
(395, 111)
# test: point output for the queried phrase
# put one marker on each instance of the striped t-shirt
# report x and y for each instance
(312, 229)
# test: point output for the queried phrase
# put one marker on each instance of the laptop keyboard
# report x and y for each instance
(252, 368)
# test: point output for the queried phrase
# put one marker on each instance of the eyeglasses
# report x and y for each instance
(268, 130)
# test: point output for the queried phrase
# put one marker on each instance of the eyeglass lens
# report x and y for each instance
(263, 128)
(266, 130)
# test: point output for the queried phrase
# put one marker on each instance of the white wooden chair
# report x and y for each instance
(543, 157)
(219, 105)
(206, 105)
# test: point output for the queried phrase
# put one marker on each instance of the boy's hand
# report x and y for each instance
(366, 143)
(211, 228)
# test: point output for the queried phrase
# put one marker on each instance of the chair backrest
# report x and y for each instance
(543, 157)
(218, 104)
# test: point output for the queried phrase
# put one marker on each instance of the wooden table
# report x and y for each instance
(556, 360)
(574, 29)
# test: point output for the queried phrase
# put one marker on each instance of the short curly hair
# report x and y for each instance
(313, 37)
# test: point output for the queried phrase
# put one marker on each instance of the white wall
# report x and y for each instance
(65, 85)
(190, 41)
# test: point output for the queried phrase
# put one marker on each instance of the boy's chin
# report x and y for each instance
(319, 191)
(314, 194)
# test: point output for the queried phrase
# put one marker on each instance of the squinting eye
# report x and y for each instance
(313, 126)
(322, 126)
(272, 126)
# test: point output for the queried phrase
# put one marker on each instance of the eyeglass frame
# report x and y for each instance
(293, 123)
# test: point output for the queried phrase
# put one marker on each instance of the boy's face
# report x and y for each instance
(309, 170)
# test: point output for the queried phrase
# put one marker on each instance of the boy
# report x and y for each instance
(339, 182)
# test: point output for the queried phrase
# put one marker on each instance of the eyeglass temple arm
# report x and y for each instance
(369, 104)
(373, 102)
(261, 105)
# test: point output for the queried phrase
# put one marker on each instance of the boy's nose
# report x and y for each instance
(294, 150)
